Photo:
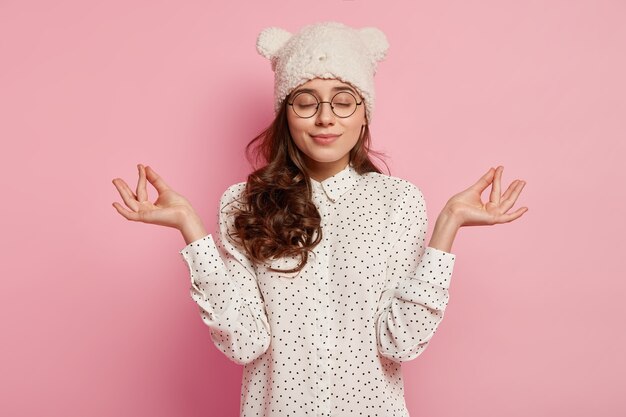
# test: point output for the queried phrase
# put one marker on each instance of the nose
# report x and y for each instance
(324, 114)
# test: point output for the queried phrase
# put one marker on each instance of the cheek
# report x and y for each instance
(297, 134)
(296, 127)
(355, 128)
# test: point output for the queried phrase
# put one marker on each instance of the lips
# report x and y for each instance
(324, 139)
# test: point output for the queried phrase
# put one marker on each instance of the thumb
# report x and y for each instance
(156, 180)
(484, 181)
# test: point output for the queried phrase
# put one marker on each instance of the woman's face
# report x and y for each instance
(324, 157)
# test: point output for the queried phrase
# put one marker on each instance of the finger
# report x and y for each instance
(127, 195)
(508, 202)
(156, 180)
(508, 191)
(484, 181)
(129, 215)
(142, 192)
(494, 197)
(506, 218)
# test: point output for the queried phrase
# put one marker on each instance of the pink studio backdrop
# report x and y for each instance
(96, 314)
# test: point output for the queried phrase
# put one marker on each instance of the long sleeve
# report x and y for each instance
(412, 307)
(224, 286)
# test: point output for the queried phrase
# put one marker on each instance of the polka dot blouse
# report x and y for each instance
(329, 340)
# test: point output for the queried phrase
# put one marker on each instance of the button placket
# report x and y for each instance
(323, 312)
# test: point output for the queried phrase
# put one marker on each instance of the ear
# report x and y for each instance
(376, 42)
(270, 40)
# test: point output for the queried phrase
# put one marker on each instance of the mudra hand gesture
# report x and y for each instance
(170, 209)
(468, 209)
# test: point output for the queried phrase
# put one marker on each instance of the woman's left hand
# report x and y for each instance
(468, 210)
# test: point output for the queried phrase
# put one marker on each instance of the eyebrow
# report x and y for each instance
(337, 88)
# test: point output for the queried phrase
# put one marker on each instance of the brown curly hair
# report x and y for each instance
(277, 216)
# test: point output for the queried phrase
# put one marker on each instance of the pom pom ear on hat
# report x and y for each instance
(270, 40)
(376, 42)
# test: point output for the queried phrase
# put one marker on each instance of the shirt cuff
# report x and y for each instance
(202, 257)
(436, 267)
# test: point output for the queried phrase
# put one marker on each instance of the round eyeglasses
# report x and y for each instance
(305, 105)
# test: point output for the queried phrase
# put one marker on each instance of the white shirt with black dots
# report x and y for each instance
(330, 340)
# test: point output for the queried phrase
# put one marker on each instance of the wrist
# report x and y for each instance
(444, 233)
(192, 227)
(449, 219)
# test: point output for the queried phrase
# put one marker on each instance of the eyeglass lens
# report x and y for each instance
(343, 104)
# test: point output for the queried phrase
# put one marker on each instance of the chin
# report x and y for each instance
(326, 159)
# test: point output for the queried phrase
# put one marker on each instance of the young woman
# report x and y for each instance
(319, 281)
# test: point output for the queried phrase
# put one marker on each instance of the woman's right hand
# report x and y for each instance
(170, 209)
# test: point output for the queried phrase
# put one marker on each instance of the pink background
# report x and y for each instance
(96, 314)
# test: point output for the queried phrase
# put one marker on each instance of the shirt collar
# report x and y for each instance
(334, 187)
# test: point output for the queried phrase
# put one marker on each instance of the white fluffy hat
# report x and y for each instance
(324, 50)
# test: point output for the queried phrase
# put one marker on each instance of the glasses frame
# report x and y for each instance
(317, 108)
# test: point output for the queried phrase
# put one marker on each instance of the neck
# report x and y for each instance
(320, 171)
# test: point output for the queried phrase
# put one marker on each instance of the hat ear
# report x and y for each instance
(270, 40)
(376, 42)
